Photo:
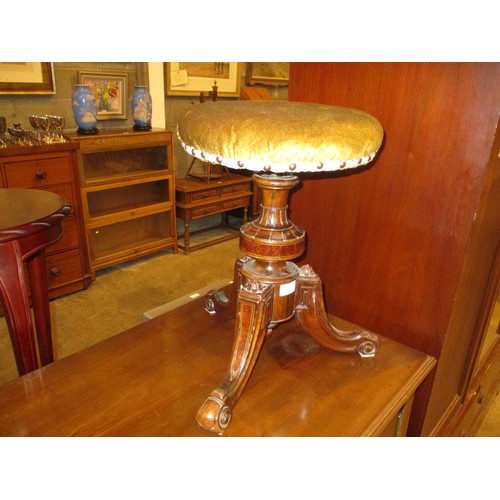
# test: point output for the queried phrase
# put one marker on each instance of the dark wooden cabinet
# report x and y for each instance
(409, 245)
(53, 168)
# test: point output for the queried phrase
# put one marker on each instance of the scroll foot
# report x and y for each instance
(253, 320)
(311, 314)
(214, 415)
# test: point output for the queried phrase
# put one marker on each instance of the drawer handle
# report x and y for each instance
(54, 272)
(41, 174)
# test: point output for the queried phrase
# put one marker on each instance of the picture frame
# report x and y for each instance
(192, 78)
(268, 73)
(111, 93)
(27, 78)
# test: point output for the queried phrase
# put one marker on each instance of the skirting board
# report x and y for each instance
(152, 313)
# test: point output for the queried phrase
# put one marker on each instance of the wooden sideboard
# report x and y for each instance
(196, 198)
(151, 380)
(53, 168)
(127, 190)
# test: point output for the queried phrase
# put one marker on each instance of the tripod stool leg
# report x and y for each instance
(311, 314)
(254, 311)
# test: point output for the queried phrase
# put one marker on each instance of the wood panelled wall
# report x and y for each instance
(390, 242)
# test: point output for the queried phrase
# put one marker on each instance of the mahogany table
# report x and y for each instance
(30, 220)
(151, 379)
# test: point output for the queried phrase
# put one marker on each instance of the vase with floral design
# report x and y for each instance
(141, 108)
(84, 109)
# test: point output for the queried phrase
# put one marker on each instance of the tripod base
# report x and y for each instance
(271, 289)
(254, 322)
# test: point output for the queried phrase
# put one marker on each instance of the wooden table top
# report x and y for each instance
(21, 207)
(151, 380)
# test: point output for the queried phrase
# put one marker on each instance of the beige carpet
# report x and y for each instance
(120, 295)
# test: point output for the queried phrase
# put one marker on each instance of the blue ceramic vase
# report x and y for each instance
(141, 108)
(84, 109)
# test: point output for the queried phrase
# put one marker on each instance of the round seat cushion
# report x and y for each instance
(280, 136)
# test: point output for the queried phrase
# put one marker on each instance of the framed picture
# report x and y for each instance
(268, 73)
(111, 93)
(191, 78)
(27, 78)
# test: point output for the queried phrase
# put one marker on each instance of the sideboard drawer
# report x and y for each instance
(66, 191)
(38, 173)
(205, 210)
(69, 237)
(207, 194)
(238, 203)
(235, 189)
(63, 268)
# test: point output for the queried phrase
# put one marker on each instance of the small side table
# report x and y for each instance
(30, 220)
(196, 199)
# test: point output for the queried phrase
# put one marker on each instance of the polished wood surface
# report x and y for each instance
(30, 221)
(394, 244)
(149, 381)
(22, 208)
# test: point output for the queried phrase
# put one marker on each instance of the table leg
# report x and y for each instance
(15, 300)
(41, 310)
(186, 237)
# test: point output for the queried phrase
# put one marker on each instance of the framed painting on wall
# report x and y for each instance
(111, 93)
(192, 78)
(27, 78)
(268, 73)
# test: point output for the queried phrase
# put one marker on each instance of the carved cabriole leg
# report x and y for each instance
(254, 306)
(311, 314)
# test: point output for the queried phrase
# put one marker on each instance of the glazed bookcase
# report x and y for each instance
(128, 194)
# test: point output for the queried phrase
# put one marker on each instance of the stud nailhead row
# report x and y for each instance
(268, 168)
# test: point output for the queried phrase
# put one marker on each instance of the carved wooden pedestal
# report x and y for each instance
(271, 289)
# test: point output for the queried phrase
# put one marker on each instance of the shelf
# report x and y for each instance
(210, 236)
(127, 197)
(110, 217)
(106, 181)
(122, 163)
(128, 236)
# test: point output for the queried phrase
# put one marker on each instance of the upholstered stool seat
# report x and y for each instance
(277, 140)
(280, 136)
